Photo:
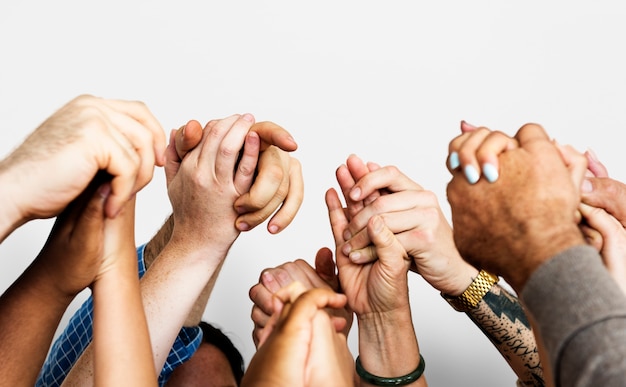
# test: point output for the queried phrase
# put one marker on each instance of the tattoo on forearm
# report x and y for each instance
(502, 319)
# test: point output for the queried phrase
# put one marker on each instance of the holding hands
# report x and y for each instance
(59, 159)
(537, 193)
(303, 347)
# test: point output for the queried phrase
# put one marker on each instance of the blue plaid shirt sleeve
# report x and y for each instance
(75, 338)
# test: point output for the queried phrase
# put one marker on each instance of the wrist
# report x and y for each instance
(536, 254)
(461, 280)
(474, 293)
(387, 343)
(12, 216)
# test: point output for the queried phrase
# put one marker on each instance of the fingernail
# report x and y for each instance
(347, 235)
(243, 226)
(592, 154)
(273, 229)
(355, 257)
(468, 124)
(490, 172)
(471, 174)
(355, 193)
(586, 186)
(453, 160)
(104, 190)
(346, 249)
(248, 117)
(377, 222)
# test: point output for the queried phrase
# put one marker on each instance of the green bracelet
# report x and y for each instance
(399, 381)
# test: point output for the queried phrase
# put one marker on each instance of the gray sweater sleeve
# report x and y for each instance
(580, 314)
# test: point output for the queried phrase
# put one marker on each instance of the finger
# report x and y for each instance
(592, 236)
(601, 221)
(273, 134)
(575, 161)
(371, 198)
(188, 137)
(123, 164)
(232, 142)
(358, 170)
(259, 316)
(306, 305)
(487, 153)
(346, 182)
(388, 248)
(452, 162)
(325, 267)
(261, 296)
(607, 194)
(244, 174)
(595, 166)
(290, 293)
(388, 178)
(467, 154)
(172, 161)
(413, 220)
(140, 113)
(283, 276)
(336, 215)
(257, 333)
(212, 136)
(467, 127)
(141, 141)
(530, 133)
(269, 189)
(291, 204)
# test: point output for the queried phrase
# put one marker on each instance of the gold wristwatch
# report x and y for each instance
(470, 298)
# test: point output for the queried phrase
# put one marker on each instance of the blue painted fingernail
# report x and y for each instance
(453, 160)
(490, 172)
(471, 174)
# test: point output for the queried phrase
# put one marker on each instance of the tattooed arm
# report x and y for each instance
(501, 317)
(419, 224)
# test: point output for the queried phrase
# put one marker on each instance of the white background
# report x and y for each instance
(389, 81)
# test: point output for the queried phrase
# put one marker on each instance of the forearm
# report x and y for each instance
(158, 242)
(152, 250)
(388, 346)
(171, 288)
(30, 312)
(121, 343)
(501, 317)
(195, 316)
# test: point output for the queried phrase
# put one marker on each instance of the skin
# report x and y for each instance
(32, 307)
(419, 224)
(275, 193)
(601, 212)
(302, 347)
(207, 367)
(415, 217)
(540, 197)
(378, 294)
(201, 237)
(121, 342)
(272, 280)
(85, 136)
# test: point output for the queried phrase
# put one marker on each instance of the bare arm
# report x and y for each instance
(152, 250)
(501, 317)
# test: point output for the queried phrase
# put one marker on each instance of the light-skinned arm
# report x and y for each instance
(202, 194)
(58, 160)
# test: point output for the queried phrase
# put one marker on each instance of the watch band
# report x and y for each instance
(470, 298)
